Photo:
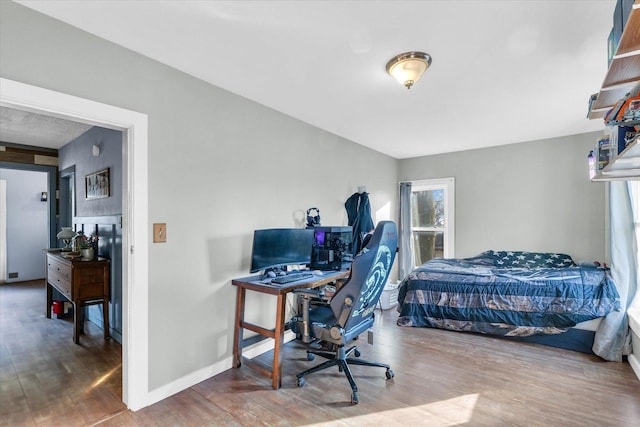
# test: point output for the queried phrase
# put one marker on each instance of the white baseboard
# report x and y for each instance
(634, 361)
(210, 371)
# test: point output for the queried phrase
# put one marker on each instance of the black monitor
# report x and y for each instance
(276, 248)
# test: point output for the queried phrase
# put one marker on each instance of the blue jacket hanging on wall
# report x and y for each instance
(359, 217)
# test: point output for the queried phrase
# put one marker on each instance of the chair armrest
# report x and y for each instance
(347, 306)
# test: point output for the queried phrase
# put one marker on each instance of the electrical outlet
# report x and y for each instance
(159, 233)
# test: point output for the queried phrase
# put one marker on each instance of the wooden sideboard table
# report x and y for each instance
(83, 282)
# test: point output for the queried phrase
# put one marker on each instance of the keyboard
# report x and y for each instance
(280, 280)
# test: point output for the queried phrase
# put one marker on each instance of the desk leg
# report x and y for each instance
(105, 318)
(49, 301)
(237, 333)
(279, 338)
(77, 321)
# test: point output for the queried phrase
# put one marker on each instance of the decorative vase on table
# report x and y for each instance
(87, 253)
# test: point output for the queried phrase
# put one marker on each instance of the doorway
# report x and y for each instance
(135, 228)
(27, 220)
(67, 196)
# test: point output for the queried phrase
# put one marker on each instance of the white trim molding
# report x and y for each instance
(3, 231)
(135, 280)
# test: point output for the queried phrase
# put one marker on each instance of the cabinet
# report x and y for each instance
(83, 282)
(623, 74)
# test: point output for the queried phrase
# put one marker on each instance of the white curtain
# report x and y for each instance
(613, 338)
(406, 257)
(634, 189)
(3, 231)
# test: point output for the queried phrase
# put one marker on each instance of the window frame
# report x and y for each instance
(448, 186)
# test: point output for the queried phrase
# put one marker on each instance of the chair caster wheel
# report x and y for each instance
(356, 352)
(354, 398)
(300, 382)
(389, 374)
(311, 356)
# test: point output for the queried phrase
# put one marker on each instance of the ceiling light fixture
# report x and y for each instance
(407, 68)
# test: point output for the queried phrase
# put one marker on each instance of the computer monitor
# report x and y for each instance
(275, 248)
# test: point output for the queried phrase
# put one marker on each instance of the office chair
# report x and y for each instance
(350, 311)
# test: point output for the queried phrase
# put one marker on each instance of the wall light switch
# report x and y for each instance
(159, 233)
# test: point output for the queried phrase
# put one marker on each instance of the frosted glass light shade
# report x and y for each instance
(66, 235)
(407, 68)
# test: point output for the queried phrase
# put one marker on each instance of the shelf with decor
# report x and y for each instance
(624, 69)
(624, 166)
(617, 154)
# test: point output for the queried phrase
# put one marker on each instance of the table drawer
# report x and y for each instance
(90, 291)
(90, 281)
(59, 275)
(63, 270)
(93, 276)
(60, 281)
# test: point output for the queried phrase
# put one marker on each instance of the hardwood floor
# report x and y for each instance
(441, 379)
(46, 379)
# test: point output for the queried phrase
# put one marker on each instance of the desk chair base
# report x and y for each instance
(341, 359)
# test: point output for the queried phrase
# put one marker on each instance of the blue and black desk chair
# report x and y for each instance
(350, 312)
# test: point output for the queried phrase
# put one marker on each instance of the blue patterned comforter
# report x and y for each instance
(489, 294)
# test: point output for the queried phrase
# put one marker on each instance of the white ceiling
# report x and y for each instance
(26, 128)
(502, 71)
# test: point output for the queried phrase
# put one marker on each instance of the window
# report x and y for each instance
(432, 219)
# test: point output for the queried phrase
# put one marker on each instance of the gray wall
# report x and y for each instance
(216, 172)
(79, 153)
(533, 196)
(27, 223)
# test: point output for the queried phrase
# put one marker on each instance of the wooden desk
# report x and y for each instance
(254, 283)
(83, 282)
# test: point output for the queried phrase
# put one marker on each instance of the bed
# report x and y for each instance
(529, 296)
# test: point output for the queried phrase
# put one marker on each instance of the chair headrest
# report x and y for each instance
(385, 233)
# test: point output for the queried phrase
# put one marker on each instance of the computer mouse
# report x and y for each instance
(271, 274)
(317, 273)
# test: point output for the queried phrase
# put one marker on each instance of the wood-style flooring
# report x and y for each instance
(441, 379)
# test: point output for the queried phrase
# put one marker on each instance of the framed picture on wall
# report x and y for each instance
(96, 185)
